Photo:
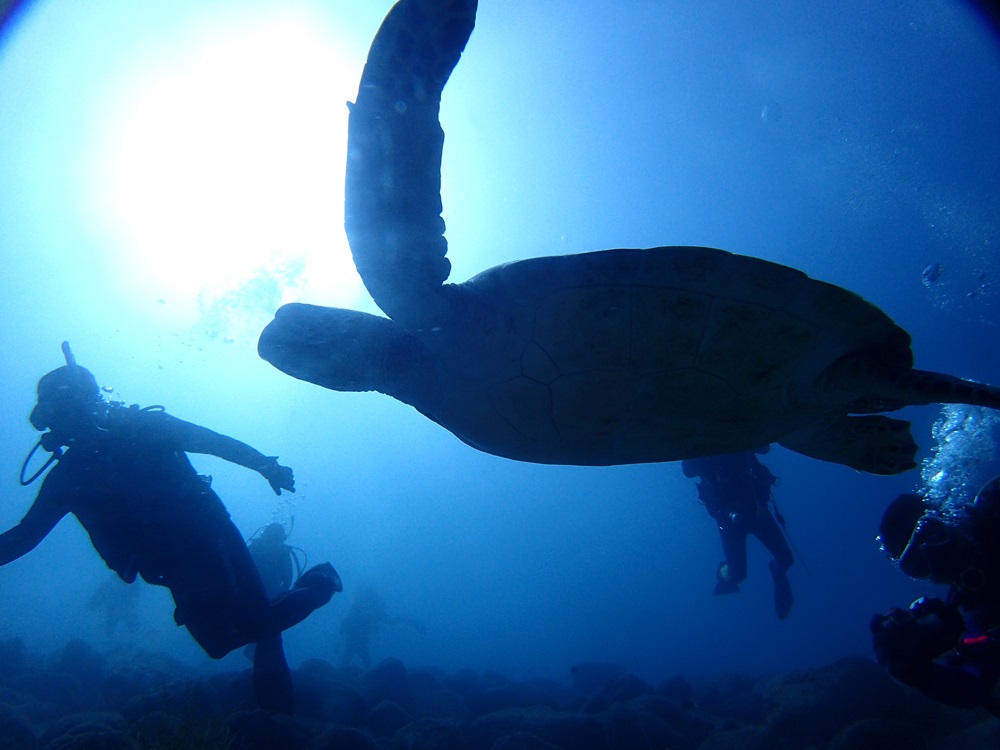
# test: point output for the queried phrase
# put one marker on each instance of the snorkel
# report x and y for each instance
(68, 354)
(68, 390)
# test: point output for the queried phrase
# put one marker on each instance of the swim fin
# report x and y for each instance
(782, 590)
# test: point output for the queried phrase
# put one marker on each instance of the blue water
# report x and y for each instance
(856, 142)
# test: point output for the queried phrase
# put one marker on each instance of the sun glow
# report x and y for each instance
(222, 164)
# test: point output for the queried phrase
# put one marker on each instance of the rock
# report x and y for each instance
(341, 738)
(235, 690)
(811, 706)
(107, 731)
(692, 728)
(522, 741)
(430, 734)
(627, 687)
(328, 695)
(387, 718)
(565, 730)
(83, 661)
(983, 736)
(595, 704)
(741, 738)
(93, 740)
(261, 730)
(13, 658)
(15, 731)
(386, 681)
(85, 720)
(515, 695)
(432, 696)
(593, 676)
(191, 701)
(885, 734)
(159, 729)
(676, 689)
(733, 696)
(56, 693)
(122, 684)
(627, 727)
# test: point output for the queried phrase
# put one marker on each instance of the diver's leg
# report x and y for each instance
(203, 611)
(241, 592)
(235, 586)
(733, 570)
(213, 633)
(782, 590)
(312, 590)
(251, 614)
(272, 680)
(766, 529)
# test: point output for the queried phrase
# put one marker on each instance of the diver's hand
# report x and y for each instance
(278, 476)
(906, 637)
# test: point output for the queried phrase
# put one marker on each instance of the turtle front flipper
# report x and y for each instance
(347, 350)
(872, 443)
(392, 208)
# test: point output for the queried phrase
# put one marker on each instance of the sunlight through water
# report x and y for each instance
(220, 170)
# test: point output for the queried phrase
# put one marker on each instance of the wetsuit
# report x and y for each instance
(149, 513)
(274, 559)
(950, 649)
(736, 490)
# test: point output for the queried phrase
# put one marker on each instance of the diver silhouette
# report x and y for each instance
(278, 563)
(365, 618)
(735, 488)
(124, 473)
(118, 604)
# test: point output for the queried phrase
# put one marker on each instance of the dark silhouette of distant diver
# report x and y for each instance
(736, 491)
(948, 649)
(366, 617)
(118, 603)
(126, 476)
(277, 562)
(612, 357)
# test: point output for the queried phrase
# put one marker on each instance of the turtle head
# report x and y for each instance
(347, 350)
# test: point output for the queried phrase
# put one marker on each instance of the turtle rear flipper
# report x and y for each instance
(890, 387)
(873, 443)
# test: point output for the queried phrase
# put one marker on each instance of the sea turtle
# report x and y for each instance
(612, 357)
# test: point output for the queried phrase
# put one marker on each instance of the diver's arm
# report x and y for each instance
(192, 438)
(40, 519)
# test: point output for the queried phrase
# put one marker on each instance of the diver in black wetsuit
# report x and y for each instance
(736, 490)
(277, 562)
(948, 649)
(125, 475)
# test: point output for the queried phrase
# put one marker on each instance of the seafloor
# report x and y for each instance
(80, 698)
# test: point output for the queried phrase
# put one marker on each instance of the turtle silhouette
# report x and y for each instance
(610, 357)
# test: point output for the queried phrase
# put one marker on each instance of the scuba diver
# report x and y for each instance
(124, 473)
(119, 606)
(365, 618)
(735, 488)
(277, 562)
(948, 649)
